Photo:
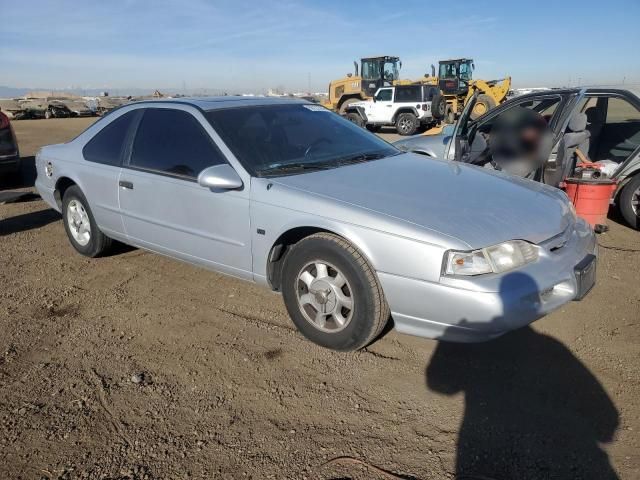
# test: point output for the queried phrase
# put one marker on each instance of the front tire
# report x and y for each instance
(630, 202)
(355, 118)
(332, 293)
(484, 103)
(406, 124)
(81, 228)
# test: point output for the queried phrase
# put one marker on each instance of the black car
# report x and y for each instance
(9, 155)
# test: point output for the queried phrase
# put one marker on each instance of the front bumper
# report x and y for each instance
(475, 309)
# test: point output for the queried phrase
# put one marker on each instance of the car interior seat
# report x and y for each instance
(595, 123)
(576, 137)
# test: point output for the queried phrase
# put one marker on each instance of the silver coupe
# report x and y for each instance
(352, 231)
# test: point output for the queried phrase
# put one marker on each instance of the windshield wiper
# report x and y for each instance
(294, 166)
(361, 157)
(327, 165)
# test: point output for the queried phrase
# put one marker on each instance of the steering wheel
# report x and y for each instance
(315, 144)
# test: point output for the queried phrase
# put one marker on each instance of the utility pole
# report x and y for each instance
(309, 83)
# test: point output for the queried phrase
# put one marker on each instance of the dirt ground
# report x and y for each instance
(135, 366)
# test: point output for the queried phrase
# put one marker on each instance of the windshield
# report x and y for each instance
(371, 69)
(465, 71)
(391, 71)
(277, 140)
(448, 70)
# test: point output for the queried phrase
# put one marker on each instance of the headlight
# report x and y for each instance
(496, 259)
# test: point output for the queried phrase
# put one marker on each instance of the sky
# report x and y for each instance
(250, 45)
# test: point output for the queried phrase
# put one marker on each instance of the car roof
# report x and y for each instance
(587, 90)
(214, 103)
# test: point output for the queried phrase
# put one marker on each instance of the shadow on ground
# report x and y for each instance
(532, 409)
(28, 221)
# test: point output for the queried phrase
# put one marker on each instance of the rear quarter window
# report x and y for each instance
(106, 146)
(409, 94)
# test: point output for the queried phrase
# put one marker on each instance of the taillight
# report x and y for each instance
(425, 107)
(4, 121)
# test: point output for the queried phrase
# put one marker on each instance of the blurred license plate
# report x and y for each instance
(585, 275)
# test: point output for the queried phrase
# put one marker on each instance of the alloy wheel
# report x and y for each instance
(78, 222)
(405, 125)
(635, 202)
(324, 296)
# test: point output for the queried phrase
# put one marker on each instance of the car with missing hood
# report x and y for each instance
(605, 120)
(352, 231)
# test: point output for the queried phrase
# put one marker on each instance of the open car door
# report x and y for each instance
(459, 144)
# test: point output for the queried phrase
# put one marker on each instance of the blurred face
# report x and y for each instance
(518, 141)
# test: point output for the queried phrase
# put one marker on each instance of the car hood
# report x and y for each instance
(478, 207)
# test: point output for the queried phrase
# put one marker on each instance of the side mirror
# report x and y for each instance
(220, 177)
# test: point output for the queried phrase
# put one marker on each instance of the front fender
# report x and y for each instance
(359, 110)
(400, 253)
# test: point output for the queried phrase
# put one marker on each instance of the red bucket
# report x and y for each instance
(591, 197)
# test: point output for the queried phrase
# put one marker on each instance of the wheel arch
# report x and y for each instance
(62, 185)
(292, 235)
(404, 110)
(359, 111)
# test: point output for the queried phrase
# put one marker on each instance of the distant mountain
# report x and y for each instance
(14, 92)
(10, 92)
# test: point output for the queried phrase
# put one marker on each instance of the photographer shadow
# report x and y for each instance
(532, 409)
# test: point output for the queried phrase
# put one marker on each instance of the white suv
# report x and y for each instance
(405, 106)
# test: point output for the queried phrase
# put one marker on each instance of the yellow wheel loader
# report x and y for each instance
(455, 80)
(375, 72)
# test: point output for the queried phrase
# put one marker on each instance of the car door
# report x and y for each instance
(382, 106)
(99, 174)
(164, 208)
(548, 104)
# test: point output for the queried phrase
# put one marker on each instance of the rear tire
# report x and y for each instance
(406, 124)
(81, 228)
(332, 293)
(484, 103)
(630, 202)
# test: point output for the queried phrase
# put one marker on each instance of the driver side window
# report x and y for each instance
(384, 95)
(545, 106)
(172, 142)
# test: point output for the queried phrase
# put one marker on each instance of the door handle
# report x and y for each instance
(127, 185)
(389, 106)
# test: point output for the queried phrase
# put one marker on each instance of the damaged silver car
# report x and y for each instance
(353, 232)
